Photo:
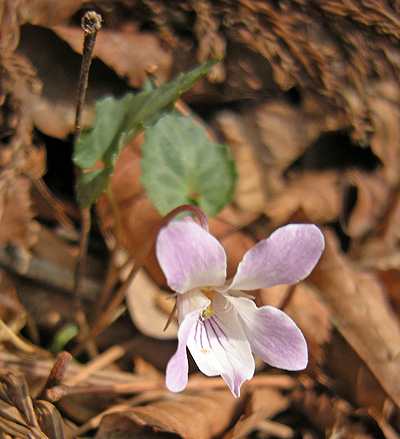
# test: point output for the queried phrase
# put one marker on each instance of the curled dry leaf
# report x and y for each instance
(361, 314)
(315, 193)
(365, 197)
(202, 416)
(149, 308)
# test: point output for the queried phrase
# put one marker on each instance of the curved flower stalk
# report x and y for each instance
(218, 323)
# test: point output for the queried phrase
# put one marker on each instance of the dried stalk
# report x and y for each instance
(91, 24)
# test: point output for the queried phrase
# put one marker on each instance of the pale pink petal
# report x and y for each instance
(219, 346)
(287, 256)
(272, 335)
(177, 369)
(190, 257)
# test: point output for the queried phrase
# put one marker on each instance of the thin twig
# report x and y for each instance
(91, 24)
(195, 383)
(103, 360)
(51, 389)
(9, 335)
(112, 275)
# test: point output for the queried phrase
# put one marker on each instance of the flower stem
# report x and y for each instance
(187, 208)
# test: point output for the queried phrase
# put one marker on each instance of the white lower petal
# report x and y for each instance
(177, 369)
(219, 346)
(272, 334)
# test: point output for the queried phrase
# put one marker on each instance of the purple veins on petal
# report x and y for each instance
(224, 350)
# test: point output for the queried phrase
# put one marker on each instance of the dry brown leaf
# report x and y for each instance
(58, 68)
(388, 431)
(365, 198)
(286, 131)
(380, 249)
(391, 280)
(11, 311)
(326, 413)
(133, 54)
(201, 416)
(135, 220)
(362, 315)
(348, 376)
(249, 193)
(315, 193)
(384, 106)
(49, 12)
(264, 403)
(136, 217)
(149, 308)
(23, 417)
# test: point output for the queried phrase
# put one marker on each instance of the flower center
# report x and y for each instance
(209, 293)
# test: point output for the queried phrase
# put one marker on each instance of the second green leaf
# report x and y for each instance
(181, 166)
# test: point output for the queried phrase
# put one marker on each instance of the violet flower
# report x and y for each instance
(220, 325)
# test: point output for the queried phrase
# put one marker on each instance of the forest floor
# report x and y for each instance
(307, 97)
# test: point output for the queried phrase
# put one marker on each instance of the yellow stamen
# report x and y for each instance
(207, 313)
